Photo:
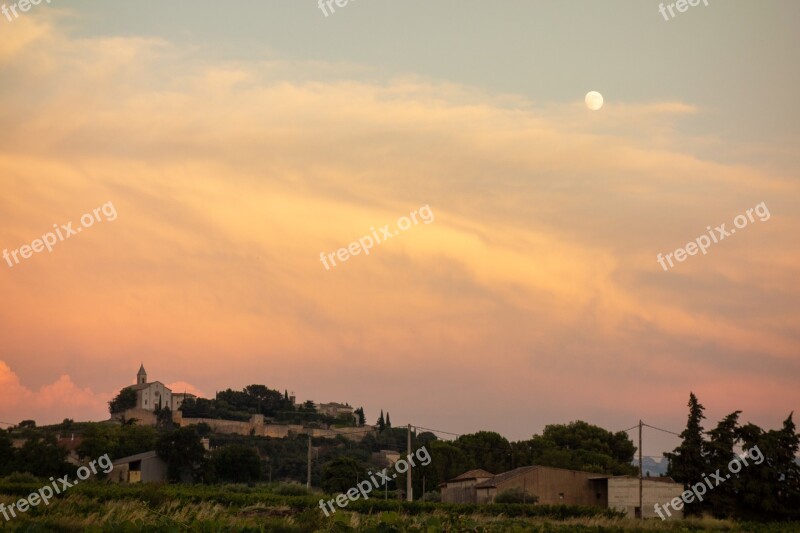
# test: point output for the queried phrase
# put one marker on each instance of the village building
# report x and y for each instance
(150, 396)
(145, 467)
(562, 486)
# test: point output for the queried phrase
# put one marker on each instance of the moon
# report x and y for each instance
(594, 100)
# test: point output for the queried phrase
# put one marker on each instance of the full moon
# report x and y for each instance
(594, 100)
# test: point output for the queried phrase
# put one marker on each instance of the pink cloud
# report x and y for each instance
(51, 403)
(182, 386)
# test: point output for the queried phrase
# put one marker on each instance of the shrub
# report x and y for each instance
(20, 477)
(432, 496)
(290, 489)
(515, 495)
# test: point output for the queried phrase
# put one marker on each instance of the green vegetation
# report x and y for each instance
(40, 456)
(516, 495)
(102, 507)
(760, 492)
(766, 491)
(126, 399)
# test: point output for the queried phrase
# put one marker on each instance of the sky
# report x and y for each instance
(226, 148)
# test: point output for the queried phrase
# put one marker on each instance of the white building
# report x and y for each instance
(623, 495)
(150, 396)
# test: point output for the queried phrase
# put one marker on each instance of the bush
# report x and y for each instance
(432, 496)
(21, 477)
(515, 495)
(290, 489)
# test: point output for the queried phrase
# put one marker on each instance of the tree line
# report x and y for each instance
(765, 490)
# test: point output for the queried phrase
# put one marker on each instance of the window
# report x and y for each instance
(560, 495)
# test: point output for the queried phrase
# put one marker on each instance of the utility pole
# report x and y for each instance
(409, 496)
(308, 479)
(641, 508)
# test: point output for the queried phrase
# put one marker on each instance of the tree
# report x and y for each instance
(42, 457)
(134, 440)
(99, 439)
(771, 482)
(203, 429)
(360, 415)
(7, 453)
(27, 424)
(381, 423)
(126, 399)
(116, 441)
(341, 474)
(164, 417)
(236, 463)
(687, 463)
(447, 462)
(720, 452)
(578, 446)
(183, 452)
(487, 450)
(388, 420)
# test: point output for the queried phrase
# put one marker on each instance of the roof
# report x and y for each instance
(141, 370)
(140, 386)
(137, 457)
(505, 476)
(661, 479)
(473, 474)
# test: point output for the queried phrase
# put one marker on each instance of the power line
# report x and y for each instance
(664, 430)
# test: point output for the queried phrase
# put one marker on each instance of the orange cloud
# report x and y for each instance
(51, 403)
(230, 178)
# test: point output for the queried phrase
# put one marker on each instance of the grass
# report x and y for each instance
(100, 507)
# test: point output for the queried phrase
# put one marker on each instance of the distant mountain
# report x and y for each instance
(657, 467)
(653, 466)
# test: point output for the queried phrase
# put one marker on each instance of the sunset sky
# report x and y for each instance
(238, 141)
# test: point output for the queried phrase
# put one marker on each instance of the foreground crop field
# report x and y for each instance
(99, 507)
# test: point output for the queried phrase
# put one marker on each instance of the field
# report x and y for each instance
(101, 507)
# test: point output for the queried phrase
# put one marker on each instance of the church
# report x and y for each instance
(150, 396)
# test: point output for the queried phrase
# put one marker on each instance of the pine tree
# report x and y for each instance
(381, 422)
(388, 422)
(771, 482)
(720, 447)
(687, 463)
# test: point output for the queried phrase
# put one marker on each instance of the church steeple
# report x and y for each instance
(141, 376)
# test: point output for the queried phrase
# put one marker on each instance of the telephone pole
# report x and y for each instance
(409, 495)
(641, 508)
(308, 478)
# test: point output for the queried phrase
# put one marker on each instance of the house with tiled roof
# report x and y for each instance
(461, 489)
